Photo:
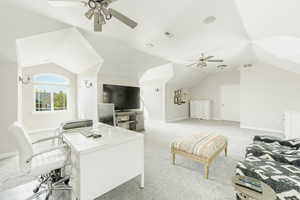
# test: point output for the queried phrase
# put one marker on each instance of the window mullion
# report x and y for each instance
(52, 102)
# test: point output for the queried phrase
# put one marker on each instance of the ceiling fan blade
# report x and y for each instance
(89, 14)
(215, 60)
(110, 1)
(123, 18)
(67, 3)
(209, 57)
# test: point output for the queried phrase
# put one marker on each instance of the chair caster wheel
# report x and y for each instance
(67, 182)
(48, 195)
(36, 190)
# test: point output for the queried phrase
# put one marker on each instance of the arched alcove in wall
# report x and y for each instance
(152, 85)
(65, 53)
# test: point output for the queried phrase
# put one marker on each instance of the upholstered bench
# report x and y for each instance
(203, 148)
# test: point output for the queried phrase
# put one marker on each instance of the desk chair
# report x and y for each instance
(48, 164)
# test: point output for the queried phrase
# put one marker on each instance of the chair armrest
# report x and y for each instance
(46, 151)
(47, 139)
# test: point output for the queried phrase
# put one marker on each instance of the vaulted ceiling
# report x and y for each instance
(184, 20)
(244, 31)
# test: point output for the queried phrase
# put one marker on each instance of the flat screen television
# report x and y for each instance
(123, 97)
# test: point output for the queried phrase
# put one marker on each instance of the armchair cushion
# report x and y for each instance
(295, 143)
(284, 179)
(266, 139)
(274, 152)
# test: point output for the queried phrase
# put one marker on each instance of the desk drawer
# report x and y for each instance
(104, 170)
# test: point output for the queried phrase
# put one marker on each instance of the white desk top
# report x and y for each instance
(111, 136)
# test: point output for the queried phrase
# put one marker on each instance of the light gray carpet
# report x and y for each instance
(166, 181)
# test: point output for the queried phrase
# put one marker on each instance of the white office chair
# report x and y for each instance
(48, 164)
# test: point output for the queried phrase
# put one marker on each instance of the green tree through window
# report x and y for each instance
(60, 101)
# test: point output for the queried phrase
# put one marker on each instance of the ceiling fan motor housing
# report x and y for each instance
(93, 3)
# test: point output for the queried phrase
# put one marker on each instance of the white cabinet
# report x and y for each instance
(292, 125)
(200, 109)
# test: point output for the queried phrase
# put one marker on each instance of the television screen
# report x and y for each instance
(123, 97)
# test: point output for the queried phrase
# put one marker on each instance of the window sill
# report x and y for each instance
(49, 112)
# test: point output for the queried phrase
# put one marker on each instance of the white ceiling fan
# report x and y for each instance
(98, 10)
(222, 67)
(203, 60)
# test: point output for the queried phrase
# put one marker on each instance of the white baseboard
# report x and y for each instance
(216, 119)
(177, 119)
(262, 129)
(7, 155)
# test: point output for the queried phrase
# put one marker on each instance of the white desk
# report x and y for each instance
(100, 165)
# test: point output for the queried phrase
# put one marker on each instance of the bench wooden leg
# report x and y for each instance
(206, 171)
(142, 184)
(173, 158)
(226, 150)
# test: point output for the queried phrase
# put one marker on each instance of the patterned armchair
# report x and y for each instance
(276, 163)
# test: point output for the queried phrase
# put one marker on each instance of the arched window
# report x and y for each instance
(51, 92)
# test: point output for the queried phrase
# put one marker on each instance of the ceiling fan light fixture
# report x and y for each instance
(89, 14)
(97, 22)
(201, 65)
(106, 13)
(102, 18)
(99, 10)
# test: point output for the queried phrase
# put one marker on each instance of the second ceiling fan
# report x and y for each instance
(99, 11)
(203, 60)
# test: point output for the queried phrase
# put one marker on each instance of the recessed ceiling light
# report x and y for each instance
(169, 35)
(209, 20)
(149, 45)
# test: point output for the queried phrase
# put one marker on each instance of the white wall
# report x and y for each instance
(39, 121)
(266, 93)
(173, 111)
(153, 87)
(159, 105)
(8, 105)
(211, 88)
(153, 98)
(88, 96)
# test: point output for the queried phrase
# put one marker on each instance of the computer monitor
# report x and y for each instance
(106, 113)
